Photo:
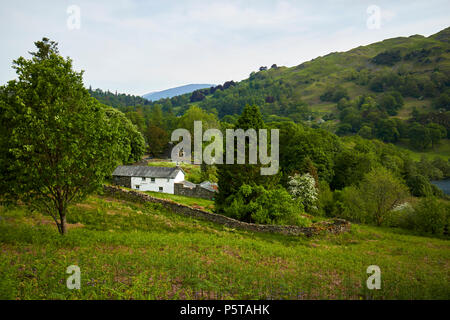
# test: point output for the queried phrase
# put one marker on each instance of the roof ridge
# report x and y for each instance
(146, 171)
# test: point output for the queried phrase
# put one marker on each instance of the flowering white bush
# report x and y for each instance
(303, 188)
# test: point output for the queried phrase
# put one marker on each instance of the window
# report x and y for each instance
(143, 179)
(160, 189)
(168, 180)
(153, 179)
(137, 187)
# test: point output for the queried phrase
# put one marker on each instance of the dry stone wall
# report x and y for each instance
(334, 226)
(196, 191)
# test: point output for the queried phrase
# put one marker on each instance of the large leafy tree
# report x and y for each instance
(194, 113)
(132, 140)
(371, 201)
(300, 145)
(419, 136)
(157, 139)
(57, 143)
(232, 176)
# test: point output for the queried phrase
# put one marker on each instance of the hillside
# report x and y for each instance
(396, 90)
(417, 66)
(169, 93)
(130, 251)
(117, 100)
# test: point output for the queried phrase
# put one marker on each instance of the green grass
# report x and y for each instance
(127, 250)
(441, 151)
(173, 164)
(189, 201)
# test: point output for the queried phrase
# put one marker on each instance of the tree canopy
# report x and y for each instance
(57, 143)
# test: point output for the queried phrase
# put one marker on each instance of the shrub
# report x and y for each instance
(344, 128)
(372, 200)
(431, 216)
(334, 94)
(325, 201)
(387, 58)
(365, 132)
(348, 205)
(258, 205)
(419, 186)
(428, 215)
(303, 189)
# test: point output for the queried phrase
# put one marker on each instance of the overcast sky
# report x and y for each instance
(137, 46)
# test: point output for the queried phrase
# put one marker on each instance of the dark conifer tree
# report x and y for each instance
(232, 176)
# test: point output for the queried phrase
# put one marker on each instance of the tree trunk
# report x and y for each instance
(62, 219)
(63, 230)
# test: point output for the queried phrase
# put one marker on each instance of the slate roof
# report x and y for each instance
(146, 171)
(210, 186)
(188, 184)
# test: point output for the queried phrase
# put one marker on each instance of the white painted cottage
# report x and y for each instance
(147, 178)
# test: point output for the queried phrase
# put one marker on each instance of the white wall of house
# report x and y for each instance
(165, 185)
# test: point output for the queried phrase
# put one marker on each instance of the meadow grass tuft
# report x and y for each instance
(127, 250)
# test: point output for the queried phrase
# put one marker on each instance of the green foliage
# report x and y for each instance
(351, 165)
(133, 143)
(157, 139)
(429, 215)
(387, 57)
(419, 135)
(372, 199)
(194, 113)
(298, 144)
(365, 132)
(370, 85)
(423, 130)
(334, 94)
(208, 173)
(419, 186)
(325, 200)
(58, 143)
(391, 102)
(256, 204)
(443, 101)
(302, 188)
(232, 176)
(117, 100)
(443, 166)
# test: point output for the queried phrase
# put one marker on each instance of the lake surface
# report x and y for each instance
(444, 185)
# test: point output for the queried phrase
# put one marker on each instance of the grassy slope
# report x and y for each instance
(333, 69)
(440, 151)
(199, 203)
(131, 251)
(310, 79)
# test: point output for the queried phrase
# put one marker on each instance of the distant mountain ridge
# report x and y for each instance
(416, 67)
(169, 93)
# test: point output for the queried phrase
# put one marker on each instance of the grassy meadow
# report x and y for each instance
(198, 203)
(127, 250)
(440, 151)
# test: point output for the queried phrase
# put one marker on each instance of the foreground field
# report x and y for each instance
(133, 251)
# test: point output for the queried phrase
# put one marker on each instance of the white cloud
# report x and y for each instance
(138, 46)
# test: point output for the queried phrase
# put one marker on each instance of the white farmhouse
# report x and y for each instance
(147, 178)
